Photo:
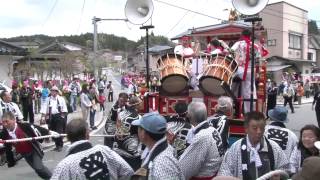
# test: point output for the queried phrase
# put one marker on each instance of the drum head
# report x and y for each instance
(212, 86)
(174, 83)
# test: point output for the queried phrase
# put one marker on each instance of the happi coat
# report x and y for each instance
(203, 156)
(160, 163)
(284, 137)
(98, 162)
(232, 163)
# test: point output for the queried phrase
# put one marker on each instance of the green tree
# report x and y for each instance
(313, 27)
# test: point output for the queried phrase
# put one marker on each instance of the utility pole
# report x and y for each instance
(95, 41)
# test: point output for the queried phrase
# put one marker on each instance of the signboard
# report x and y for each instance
(117, 58)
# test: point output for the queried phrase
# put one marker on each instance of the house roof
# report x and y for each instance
(236, 25)
(11, 49)
(60, 46)
(159, 48)
(25, 43)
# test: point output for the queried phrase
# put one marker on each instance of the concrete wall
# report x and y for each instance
(6, 69)
(280, 19)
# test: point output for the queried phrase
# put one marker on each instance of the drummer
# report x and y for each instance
(242, 57)
(219, 47)
(184, 49)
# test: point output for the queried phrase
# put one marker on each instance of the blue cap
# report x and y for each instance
(152, 122)
(279, 113)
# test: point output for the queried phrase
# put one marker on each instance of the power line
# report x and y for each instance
(177, 22)
(50, 12)
(80, 20)
(196, 12)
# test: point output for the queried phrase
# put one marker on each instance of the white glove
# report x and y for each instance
(55, 134)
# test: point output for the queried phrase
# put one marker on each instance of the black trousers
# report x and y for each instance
(35, 161)
(288, 100)
(28, 111)
(110, 97)
(57, 123)
(317, 109)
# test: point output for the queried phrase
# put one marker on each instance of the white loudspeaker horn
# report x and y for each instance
(138, 11)
(249, 7)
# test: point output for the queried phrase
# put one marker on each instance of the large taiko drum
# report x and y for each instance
(173, 74)
(219, 69)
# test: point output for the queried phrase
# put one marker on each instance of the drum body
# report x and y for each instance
(219, 69)
(173, 74)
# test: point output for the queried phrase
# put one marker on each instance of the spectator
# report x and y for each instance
(288, 93)
(300, 93)
(8, 106)
(93, 97)
(26, 95)
(74, 89)
(309, 134)
(272, 97)
(316, 104)
(57, 115)
(110, 91)
(307, 89)
(84, 161)
(85, 101)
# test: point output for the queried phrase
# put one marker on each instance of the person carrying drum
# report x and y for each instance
(221, 119)
(202, 158)
(126, 139)
(242, 56)
(178, 126)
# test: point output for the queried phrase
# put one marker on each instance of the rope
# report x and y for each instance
(272, 173)
(45, 137)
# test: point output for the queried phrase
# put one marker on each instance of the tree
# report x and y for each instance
(313, 27)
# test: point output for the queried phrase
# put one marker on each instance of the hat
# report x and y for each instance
(54, 88)
(310, 169)
(181, 107)
(279, 113)
(134, 100)
(152, 122)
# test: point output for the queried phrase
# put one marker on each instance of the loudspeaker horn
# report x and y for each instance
(249, 7)
(138, 11)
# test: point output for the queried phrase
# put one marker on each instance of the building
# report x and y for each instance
(9, 57)
(57, 60)
(287, 32)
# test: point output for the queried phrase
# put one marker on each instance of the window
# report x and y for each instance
(272, 42)
(310, 56)
(295, 41)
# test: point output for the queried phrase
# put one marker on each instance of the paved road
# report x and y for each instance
(303, 115)
(22, 171)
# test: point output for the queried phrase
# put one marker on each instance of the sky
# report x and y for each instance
(73, 17)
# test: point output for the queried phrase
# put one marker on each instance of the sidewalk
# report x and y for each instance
(75, 115)
(304, 100)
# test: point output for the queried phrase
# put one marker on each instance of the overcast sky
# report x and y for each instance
(66, 17)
